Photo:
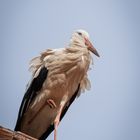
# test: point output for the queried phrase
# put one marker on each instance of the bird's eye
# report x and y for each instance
(79, 33)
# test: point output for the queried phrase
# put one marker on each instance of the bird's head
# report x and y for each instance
(81, 37)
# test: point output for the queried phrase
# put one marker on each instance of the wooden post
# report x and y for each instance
(7, 134)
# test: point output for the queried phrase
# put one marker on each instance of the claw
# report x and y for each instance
(51, 103)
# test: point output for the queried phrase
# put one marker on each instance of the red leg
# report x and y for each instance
(49, 102)
(57, 120)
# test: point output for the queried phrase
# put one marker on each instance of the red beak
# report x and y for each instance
(90, 47)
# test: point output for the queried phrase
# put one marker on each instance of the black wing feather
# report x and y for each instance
(30, 94)
(51, 128)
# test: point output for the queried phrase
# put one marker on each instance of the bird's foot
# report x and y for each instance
(51, 103)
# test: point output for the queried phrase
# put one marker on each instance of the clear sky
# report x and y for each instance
(111, 109)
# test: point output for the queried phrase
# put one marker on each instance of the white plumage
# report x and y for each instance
(66, 77)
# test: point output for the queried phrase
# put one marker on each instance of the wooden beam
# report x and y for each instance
(7, 134)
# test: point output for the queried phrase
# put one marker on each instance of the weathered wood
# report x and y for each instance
(7, 134)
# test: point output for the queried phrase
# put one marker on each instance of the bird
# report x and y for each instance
(59, 76)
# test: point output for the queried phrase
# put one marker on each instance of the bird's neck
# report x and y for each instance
(78, 48)
(77, 43)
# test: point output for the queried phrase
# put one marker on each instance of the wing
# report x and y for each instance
(30, 94)
(51, 128)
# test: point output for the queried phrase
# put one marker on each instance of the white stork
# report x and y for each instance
(59, 75)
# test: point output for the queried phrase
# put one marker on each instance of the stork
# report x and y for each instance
(58, 77)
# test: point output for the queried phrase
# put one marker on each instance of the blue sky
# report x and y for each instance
(111, 109)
